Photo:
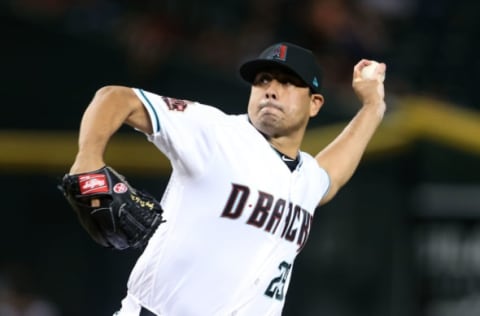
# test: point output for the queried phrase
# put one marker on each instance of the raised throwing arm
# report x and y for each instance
(342, 156)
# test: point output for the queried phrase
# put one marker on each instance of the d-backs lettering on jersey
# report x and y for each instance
(268, 213)
(235, 223)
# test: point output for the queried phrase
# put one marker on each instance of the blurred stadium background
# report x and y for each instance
(402, 238)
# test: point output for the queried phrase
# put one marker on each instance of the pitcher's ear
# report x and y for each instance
(316, 103)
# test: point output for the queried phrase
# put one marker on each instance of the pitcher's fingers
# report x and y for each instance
(95, 202)
(357, 69)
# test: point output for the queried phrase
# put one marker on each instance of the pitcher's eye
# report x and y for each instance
(287, 79)
(262, 78)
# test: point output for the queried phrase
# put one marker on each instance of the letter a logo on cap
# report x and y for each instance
(280, 52)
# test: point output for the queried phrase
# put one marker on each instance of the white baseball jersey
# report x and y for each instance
(236, 216)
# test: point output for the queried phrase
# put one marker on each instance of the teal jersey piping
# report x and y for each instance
(157, 121)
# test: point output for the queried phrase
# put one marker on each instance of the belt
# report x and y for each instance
(146, 312)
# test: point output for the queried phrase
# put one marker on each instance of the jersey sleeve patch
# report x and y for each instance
(176, 104)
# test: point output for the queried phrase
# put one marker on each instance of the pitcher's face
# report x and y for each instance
(280, 103)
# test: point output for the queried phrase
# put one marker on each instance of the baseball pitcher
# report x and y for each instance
(241, 198)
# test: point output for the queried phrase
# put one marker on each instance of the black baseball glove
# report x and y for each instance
(120, 216)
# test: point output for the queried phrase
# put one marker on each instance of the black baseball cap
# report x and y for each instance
(292, 57)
